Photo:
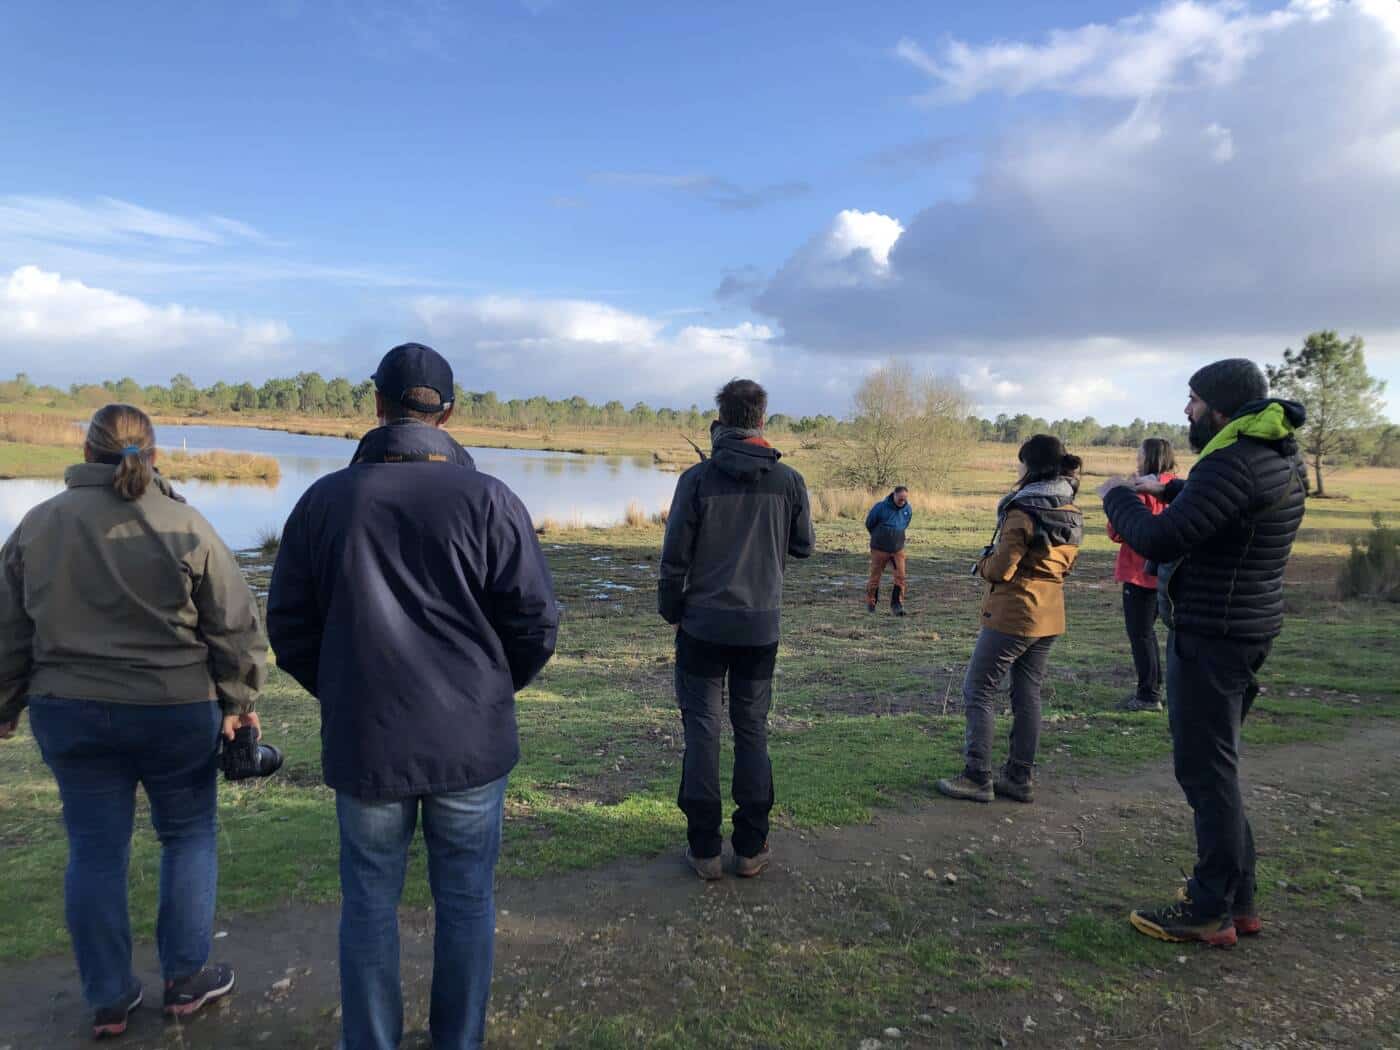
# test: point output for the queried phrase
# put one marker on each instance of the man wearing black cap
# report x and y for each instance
(411, 598)
(1221, 547)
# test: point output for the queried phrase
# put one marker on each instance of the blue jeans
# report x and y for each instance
(99, 752)
(462, 830)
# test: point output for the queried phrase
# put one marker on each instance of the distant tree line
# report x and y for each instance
(311, 394)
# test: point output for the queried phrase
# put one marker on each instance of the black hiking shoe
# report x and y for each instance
(964, 787)
(111, 1020)
(189, 994)
(1182, 921)
(1243, 914)
(1138, 703)
(1013, 784)
(872, 600)
(748, 867)
(897, 601)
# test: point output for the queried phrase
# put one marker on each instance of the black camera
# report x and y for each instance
(245, 756)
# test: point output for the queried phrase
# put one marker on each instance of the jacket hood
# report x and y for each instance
(743, 460)
(410, 441)
(1058, 522)
(1270, 419)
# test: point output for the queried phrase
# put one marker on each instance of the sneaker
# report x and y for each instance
(1008, 785)
(1137, 703)
(189, 994)
(964, 787)
(748, 867)
(111, 1020)
(1244, 916)
(1180, 922)
(708, 868)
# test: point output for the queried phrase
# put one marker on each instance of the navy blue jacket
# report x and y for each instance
(411, 598)
(886, 523)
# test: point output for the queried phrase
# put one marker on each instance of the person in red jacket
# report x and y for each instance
(1139, 580)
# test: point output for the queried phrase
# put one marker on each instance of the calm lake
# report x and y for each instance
(563, 486)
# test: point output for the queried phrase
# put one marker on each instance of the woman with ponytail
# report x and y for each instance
(1038, 534)
(128, 630)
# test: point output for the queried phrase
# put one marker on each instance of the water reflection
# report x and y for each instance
(566, 487)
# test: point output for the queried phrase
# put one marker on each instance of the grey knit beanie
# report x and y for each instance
(1229, 385)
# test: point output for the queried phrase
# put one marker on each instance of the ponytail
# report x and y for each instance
(123, 437)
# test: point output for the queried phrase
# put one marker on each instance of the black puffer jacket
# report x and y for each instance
(1229, 529)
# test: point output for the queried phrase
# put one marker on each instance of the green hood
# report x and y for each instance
(1271, 420)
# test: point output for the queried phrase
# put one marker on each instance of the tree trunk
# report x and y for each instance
(1317, 470)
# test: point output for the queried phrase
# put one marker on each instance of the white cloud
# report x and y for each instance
(1178, 46)
(49, 322)
(1243, 183)
(108, 221)
(561, 347)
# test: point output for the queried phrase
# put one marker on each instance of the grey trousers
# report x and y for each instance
(994, 655)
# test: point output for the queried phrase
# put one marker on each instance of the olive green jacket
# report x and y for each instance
(135, 602)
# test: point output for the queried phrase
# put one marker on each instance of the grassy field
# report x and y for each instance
(866, 716)
(35, 445)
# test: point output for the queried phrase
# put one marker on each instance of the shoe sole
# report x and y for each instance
(185, 1009)
(1026, 799)
(115, 1028)
(754, 872)
(1224, 938)
(965, 798)
(1248, 925)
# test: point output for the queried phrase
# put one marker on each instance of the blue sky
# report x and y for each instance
(1063, 206)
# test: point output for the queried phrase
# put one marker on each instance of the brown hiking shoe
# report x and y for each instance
(964, 787)
(748, 867)
(1008, 785)
(708, 868)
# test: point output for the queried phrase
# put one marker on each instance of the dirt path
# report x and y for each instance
(621, 937)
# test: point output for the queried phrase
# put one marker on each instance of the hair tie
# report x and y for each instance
(131, 450)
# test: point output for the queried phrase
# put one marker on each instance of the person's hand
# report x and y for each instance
(1152, 487)
(1118, 481)
(233, 723)
(7, 729)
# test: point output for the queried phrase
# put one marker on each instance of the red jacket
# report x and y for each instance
(1130, 566)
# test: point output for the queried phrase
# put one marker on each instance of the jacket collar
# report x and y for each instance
(99, 475)
(410, 441)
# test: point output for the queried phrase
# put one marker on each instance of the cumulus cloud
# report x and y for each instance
(562, 347)
(52, 323)
(1213, 175)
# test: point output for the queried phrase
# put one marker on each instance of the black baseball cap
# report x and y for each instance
(411, 365)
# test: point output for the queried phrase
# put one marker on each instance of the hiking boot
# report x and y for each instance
(897, 601)
(708, 868)
(870, 607)
(189, 994)
(748, 867)
(872, 600)
(964, 787)
(1182, 921)
(1244, 915)
(111, 1020)
(1138, 703)
(1013, 784)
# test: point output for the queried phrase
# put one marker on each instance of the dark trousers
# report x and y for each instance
(993, 657)
(701, 671)
(1140, 617)
(1210, 687)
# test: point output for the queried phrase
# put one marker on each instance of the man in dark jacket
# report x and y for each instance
(1221, 546)
(411, 598)
(734, 520)
(886, 523)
